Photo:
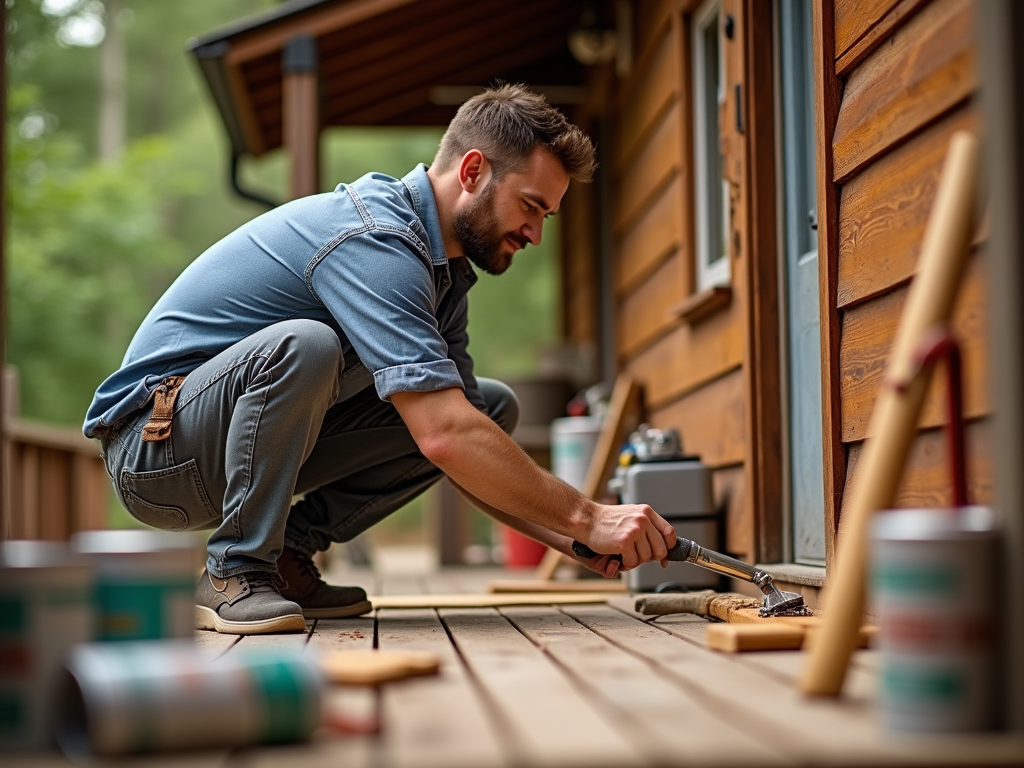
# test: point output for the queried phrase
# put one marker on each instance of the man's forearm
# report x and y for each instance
(474, 452)
(536, 532)
(496, 471)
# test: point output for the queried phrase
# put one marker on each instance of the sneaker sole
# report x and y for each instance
(342, 612)
(209, 619)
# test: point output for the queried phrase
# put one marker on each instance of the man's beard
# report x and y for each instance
(479, 234)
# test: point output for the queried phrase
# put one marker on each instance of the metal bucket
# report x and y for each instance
(45, 609)
(935, 594)
(145, 583)
(159, 695)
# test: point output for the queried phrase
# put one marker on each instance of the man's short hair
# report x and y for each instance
(507, 123)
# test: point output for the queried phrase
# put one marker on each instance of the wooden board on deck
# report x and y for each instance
(439, 721)
(651, 706)
(486, 601)
(604, 586)
(771, 635)
(550, 722)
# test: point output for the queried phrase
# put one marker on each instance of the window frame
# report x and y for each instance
(716, 272)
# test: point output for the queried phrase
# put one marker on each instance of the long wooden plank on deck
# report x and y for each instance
(552, 722)
(485, 601)
(434, 721)
(667, 724)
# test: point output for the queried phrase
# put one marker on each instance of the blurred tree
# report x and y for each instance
(88, 257)
(92, 244)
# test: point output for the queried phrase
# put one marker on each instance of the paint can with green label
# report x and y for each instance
(45, 609)
(145, 582)
(150, 696)
(934, 583)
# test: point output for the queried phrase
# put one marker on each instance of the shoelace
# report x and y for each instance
(307, 566)
(260, 581)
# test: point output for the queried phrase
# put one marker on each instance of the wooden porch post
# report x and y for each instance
(301, 114)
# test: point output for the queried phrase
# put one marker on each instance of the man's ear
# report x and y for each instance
(474, 171)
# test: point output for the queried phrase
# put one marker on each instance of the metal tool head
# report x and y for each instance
(778, 603)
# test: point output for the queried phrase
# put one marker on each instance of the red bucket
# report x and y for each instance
(521, 551)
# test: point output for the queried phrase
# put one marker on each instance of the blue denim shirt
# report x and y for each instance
(367, 259)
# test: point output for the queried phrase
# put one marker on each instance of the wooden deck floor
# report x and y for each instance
(590, 685)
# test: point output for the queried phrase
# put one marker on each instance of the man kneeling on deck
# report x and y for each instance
(321, 350)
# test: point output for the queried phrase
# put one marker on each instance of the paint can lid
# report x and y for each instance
(131, 542)
(972, 522)
(39, 554)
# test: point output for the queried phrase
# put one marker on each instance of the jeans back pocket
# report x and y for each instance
(172, 499)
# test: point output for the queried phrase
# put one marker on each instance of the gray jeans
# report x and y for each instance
(257, 425)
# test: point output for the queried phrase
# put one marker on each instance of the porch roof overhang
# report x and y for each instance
(387, 62)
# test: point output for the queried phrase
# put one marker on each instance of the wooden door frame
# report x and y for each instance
(764, 466)
(827, 97)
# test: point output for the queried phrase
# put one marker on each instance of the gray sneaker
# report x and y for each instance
(301, 582)
(245, 604)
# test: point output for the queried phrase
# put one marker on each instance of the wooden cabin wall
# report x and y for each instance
(902, 76)
(692, 372)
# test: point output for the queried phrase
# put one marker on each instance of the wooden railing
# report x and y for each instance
(56, 482)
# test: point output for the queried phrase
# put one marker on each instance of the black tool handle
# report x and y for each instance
(680, 552)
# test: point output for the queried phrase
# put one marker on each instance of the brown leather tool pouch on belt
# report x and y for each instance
(159, 425)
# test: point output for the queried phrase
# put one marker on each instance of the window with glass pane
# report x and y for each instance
(712, 191)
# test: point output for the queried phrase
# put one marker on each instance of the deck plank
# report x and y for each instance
(214, 643)
(774, 711)
(553, 723)
(814, 730)
(325, 747)
(667, 724)
(357, 706)
(434, 722)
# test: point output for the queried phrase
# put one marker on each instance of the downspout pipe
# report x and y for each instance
(236, 158)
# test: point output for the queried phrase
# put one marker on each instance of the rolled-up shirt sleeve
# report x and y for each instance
(379, 287)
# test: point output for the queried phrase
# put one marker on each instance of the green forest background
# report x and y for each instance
(117, 178)
(101, 221)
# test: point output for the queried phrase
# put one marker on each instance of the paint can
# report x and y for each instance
(934, 578)
(145, 582)
(149, 696)
(45, 609)
(573, 440)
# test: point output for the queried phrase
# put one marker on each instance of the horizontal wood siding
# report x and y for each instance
(854, 20)
(656, 236)
(644, 314)
(900, 106)
(884, 210)
(928, 68)
(693, 375)
(868, 333)
(657, 162)
(715, 418)
(926, 479)
(733, 500)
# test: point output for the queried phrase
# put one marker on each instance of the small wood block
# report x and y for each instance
(769, 636)
(376, 667)
(536, 585)
(785, 633)
(865, 637)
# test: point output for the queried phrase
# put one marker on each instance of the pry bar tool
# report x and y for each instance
(776, 602)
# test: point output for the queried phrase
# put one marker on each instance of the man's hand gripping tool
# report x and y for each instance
(776, 602)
